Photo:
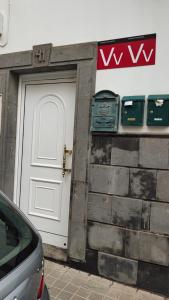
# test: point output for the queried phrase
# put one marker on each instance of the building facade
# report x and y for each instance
(99, 198)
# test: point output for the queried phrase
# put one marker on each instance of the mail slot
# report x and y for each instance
(158, 110)
(132, 111)
(105, 111)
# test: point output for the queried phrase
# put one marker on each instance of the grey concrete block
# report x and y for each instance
(154, 153)
(148, 247)
(118, 268)
(99, 208)
(78, 228)
(86, 73)
(163, 186)
(20, 59)
(154, 278)
(106, 238)
(73, 52)
(126, 212)
(11, 121)
(36, 59)
(77, 245)
(79, 201)
(55, 252)
(4, 74)
(13, 88)
(143, 183)
(109, 180)
(101, 150)
(82, 140)
(125, 151)
(145, 217)
(85, 88)
(9, 168)
(159, 220)
(132, 244)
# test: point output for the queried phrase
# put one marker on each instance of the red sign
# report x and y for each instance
(129, 52)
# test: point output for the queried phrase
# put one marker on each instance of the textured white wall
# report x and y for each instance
(63, 22)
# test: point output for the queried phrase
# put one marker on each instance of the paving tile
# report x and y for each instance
(71, 288)
(110, 298)
(95, 296)
(114, 292)
(128, 290)
(95, 285)
(66, 277)
(73, 272)
(83, 275)
(48, 270)
(83, 292)
(142, 295)
(76, 297)
(56, 274)
(65, 283)
(60, 284)
(50, 280)
(79, 281)
(54, 291)
(64, 296)
(125, 296)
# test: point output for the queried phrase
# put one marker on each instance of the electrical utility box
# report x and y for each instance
(158, 110)
(105, 111)
(132, 111)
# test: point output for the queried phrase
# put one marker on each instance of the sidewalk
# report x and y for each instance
(65, 283)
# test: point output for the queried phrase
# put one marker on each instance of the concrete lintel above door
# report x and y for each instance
(60, 54)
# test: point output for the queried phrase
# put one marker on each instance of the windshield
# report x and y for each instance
(17, 240)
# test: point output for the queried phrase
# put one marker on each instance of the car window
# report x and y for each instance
(17, 240)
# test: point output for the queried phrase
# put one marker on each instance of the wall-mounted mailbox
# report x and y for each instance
(132, 111)
(105, 111)
(158, 110)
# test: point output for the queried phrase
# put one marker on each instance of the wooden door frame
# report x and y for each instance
(82, 59)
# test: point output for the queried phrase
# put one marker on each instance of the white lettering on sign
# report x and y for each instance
(135, 59)
(106, 62)
(129, 53)
(145, 56)
(118, 60)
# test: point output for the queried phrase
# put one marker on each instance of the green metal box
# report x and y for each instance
(105, 111)
(158, 110)
(132, 110)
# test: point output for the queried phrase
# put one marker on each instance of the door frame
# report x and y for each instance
(33, 79)
(81, 58)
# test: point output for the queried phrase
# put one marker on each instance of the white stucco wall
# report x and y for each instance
(63, 22)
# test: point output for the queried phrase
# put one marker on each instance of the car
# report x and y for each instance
(21, 256)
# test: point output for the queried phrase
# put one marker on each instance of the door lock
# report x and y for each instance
(65, 153)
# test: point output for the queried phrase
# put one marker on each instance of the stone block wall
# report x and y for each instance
(128, 210)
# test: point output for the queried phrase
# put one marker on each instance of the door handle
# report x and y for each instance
(65, 153)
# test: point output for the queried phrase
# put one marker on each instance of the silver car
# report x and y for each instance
(21, 256)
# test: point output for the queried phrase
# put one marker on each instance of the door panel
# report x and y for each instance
(49, 117)
(48, 127)
(39, 192)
